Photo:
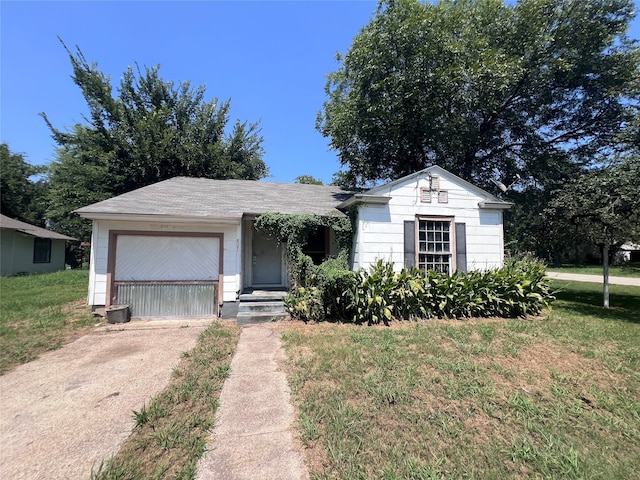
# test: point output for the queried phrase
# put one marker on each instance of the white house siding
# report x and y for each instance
(17, 254)
(100, 249)
(380, 228)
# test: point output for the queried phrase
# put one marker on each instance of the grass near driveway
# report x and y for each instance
(172, 428)
(629, 270)
(40, 313)
(554, 397)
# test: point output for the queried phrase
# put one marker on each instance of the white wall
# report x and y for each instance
(380, 228)
(100, 249)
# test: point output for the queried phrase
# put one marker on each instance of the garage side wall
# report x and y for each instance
(381, 228)
(97, 295)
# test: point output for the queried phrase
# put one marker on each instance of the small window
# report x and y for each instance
(425, 195)
(443, 196)
(41, 250)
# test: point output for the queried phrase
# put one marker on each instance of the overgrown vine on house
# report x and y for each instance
(293, 232)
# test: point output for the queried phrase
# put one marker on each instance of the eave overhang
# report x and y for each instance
(365, 198)
(489, 205)
(155, 218)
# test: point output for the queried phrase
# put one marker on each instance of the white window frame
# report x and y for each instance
(432, 257)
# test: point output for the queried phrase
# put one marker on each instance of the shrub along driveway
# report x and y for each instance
(65, 412)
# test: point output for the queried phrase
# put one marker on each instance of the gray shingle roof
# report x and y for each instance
(203, 197)
(13, 224)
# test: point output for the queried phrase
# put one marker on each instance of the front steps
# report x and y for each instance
(260, 306)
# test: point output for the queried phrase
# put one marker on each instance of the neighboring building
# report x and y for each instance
(186, 245)
(629, 252)
(26, 248)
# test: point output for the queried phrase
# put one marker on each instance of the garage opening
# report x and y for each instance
(170, 274)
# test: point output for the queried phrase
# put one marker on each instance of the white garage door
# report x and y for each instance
(167, 275)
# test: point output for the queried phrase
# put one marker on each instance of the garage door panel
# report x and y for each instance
(167, 258)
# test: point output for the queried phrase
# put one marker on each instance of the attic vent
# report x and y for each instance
(435, 183)
(443, 196)
(425, 195)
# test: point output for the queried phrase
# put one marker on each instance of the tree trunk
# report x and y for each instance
(605, 271)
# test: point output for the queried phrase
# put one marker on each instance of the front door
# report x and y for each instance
(266, 261)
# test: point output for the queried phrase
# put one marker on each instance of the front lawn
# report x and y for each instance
(551, 397)
(40, 313)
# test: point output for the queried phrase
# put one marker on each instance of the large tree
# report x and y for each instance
(484, 89)
(23, 193)
(602, 206)
(149, 131)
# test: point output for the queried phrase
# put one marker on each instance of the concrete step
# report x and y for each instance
(263, 296)
(274, 307)
(249, 318)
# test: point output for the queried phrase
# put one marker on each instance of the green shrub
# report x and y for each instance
(335, 281)
(304, 303)
(520, 288)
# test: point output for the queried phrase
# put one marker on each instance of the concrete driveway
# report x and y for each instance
(579, 277)
(65, 412)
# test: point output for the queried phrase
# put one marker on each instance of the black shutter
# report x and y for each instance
(409, 243)
(461, 247)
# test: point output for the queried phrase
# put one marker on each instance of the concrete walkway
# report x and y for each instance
(580, 277)
(253, 437)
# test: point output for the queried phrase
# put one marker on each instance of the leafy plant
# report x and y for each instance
(304, 303)
(375, 296)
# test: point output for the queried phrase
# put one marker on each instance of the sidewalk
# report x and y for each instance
(252, 438)
(580, 277)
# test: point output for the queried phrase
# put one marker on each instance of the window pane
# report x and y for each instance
(434, 252)
(41, 250)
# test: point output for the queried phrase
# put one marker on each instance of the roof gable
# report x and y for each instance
(436, 170)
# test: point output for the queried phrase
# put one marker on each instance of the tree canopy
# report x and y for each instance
(149, 131)
(308, 179)
(23, 197)
(484, 89)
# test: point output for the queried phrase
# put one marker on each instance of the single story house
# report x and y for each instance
(186, 245)
(26, 248)
(629, 252)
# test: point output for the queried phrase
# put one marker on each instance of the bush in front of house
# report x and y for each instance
(378, 295)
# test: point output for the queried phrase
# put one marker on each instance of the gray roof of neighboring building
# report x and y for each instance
(13, 224)
(203, 197)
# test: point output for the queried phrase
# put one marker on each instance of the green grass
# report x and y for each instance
(629, 270)
(40, 313)
(172, 428)
(551, 397)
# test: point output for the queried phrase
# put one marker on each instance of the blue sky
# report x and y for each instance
(269, 58)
